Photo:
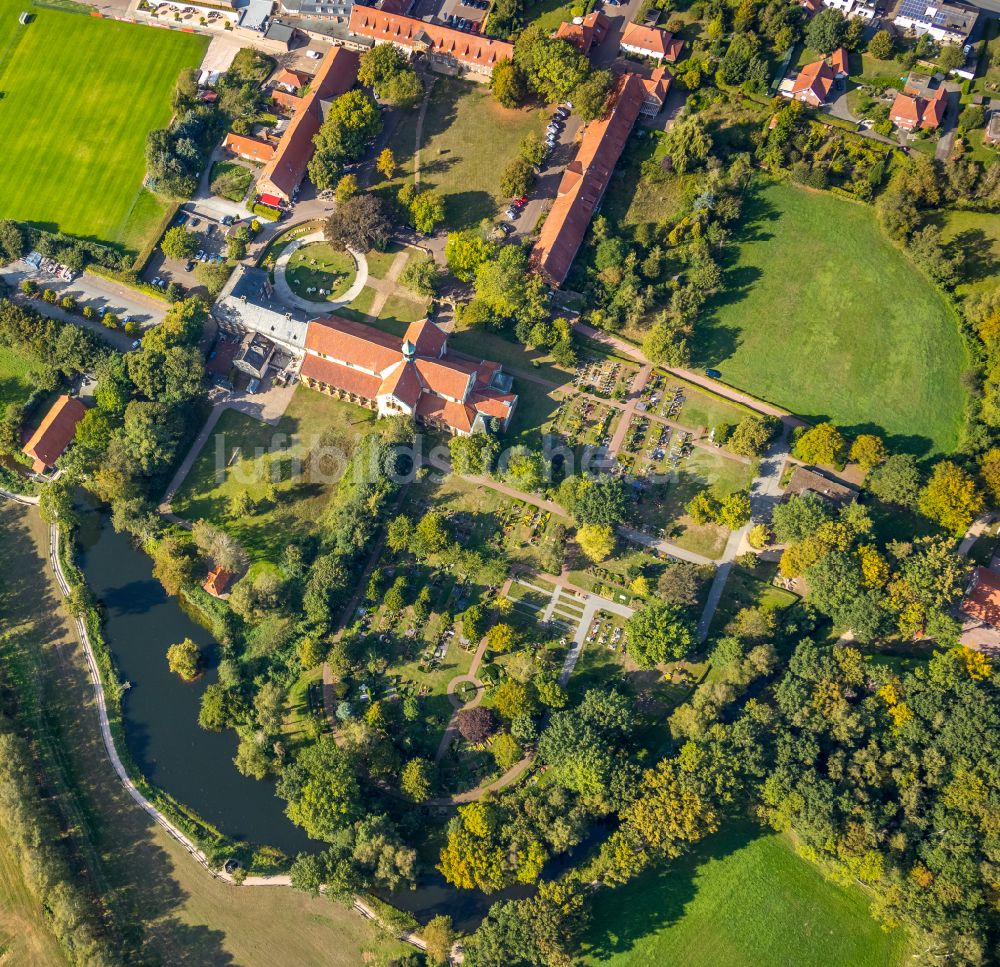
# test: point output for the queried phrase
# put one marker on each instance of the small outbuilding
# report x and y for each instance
(55, 433)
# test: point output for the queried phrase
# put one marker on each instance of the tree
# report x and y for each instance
(897, 481)
(933, 256)
(880, 46)
(591, 95)
(525, 469)
(385, 164)
(868, 451)
(518, 178)
(473, 455)
(416, 780)
(427, 211)
(825, 32)
(597, 541)
(513, 699)
(657, 633)
(751, 435)
(601, 501)
(950, 497)
(502, 638)
(402, 90)
(553, 68)
(430, 536)
(951, 57)
(220, 547)
(506, 750)
(687, 143)
(346, 188)
(422, 276)
(466, 251)
(476, 725)
(678, 584)
(179, 244)
(799, 517)
(172, 564)
(321, 790)
(532, 149)
(351, 122)
(360, 223)
(219, 709)
(184, 659)
(702, 508)
(213, 276)
(507, 84)
(759, 536)
(11, 241)
(439, 937)
(824, 443)
(377, 65)
(734, 511)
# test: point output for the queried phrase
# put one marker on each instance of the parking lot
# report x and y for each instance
(211, 234)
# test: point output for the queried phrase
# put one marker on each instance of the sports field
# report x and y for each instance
(743, 898)
(79, 96)
(821, 314)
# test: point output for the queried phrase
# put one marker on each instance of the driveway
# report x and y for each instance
(92, 290)
(606, 53)
(544, 192)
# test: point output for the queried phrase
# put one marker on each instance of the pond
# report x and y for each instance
(160, 711)
(161, 720)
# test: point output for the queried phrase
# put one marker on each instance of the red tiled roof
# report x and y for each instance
(904, 110)
(443, 378)
(290, 102)
(652, 39)
(983, 599)
(491, 404)
(585, 34)
(658, 84)
(290, 78)
(54, 433)
(816, 79)
(217, 581)
(429, 338)
(838, 61)
(457, 415)
(337, 74)
(410, 32)
(403, 383)
(934, 109)
(340, 377)
(246, 147)
(353, 342)
(586, 178)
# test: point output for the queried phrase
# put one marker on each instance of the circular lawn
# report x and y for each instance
(319, 273)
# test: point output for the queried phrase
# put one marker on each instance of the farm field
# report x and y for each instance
(80, 96)
(816, 281)
(171, 910)
(742, 897)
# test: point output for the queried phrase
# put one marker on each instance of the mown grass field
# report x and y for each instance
(821, 314)
(743, 897)
(79, 97)
(170, 910)
(975, 237)
(15, 384)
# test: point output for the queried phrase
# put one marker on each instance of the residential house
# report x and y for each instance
(55, 433)
(813, 84)
(282, 175)
(217, 582)
(656, 88)
(414, 376)
(946, 21)
(584, 32)
(249, 149)
(586, 178)
(447, 50)
(651, 42)
(909, 113)
(838, 61)
(289, 80)
(808, 480)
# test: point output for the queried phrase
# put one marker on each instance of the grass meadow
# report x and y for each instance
(821, 314)
(80, 94)
(742, 897)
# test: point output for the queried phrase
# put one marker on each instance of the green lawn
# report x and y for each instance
(319, 266)
(15, 382)
(468, 139)
(79, 97)
(743, 897)
(746, 590)
(821, 314)
(975, 238)
(231, 167)
(313, 425)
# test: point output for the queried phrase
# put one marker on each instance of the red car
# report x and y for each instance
(523, 200)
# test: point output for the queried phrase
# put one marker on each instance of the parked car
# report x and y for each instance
(523, 200)
(189, 266)
(211, 228)
(136, 343)
(253, 386)
(713, 374)
(510, 213)
(228, 219)
(195, 222)
(314, 54)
